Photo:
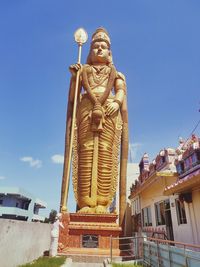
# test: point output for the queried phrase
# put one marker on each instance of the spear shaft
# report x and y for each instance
(66, 174)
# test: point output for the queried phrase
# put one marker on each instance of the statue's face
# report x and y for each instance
(100, 52)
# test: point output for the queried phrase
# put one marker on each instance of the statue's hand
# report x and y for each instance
(75, 68)
(112, 108)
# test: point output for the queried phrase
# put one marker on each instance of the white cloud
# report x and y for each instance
(133, 150)
(32, 162)
(2, 177)
(57, 159)
(133, 169)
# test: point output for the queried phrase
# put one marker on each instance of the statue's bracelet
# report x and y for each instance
(118, 102)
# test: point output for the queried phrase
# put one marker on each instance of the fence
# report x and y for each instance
(158, 252)
(130, 248)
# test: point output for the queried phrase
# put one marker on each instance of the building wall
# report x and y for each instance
(195, 207)
(22, 241)
(154, 191)
(189, 232)
(195, 215)
(153, 194)
(186, 233)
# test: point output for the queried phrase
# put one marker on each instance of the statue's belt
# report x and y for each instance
(86, 95)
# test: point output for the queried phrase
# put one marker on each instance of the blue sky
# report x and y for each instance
(156, 44)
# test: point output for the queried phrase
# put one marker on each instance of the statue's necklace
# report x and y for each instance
(99, 73)
(111, 79)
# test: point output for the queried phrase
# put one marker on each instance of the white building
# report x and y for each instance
(16, 203)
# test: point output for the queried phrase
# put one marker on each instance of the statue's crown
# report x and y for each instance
(101, 35)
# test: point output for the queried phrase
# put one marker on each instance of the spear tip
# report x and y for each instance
(80, 36)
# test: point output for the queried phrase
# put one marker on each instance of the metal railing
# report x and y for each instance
(157, 252)
(130, 248)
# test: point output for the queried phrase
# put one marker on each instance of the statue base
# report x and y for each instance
(89, 234)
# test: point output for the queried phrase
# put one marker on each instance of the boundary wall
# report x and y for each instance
(22, 241)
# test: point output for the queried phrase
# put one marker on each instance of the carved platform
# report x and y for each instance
(89, 234)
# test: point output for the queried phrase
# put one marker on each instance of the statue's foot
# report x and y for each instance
(86, 210)
(101, 209)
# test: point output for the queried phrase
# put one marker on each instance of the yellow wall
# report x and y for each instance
(195, 218)
(154, 193)
(186, 233)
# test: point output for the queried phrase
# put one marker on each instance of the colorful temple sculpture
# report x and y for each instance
(188, 168)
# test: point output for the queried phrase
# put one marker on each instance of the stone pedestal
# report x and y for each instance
(89, 234)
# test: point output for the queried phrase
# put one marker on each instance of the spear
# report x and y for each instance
(80, 37)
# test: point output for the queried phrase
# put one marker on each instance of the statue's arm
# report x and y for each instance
(120, 88)
(72, 89)
(74, 69)
(71, 99)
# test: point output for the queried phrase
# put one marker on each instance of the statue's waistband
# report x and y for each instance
(85, 95)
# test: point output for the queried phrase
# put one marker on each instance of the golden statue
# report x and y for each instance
(100, 130)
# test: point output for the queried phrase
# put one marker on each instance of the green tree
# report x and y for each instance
(52, 216)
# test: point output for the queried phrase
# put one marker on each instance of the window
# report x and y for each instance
(180, 210)
(1, 202)
(146, 214)
(135, 206)
(160, 213)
